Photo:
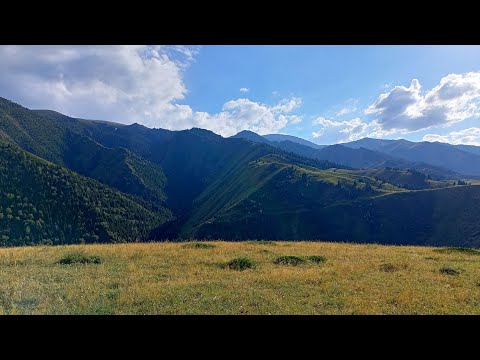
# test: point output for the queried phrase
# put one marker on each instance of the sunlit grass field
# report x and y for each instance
(179, 278)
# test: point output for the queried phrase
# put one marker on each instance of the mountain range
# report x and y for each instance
(66, 180)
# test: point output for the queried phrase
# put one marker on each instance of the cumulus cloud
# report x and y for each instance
(126, 84)
(263, 119)
(407, 109)
(244, 89)
(404, 110)
(354, 129)
(469, 136)
(121, 83)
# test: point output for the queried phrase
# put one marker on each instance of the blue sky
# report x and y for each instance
(326, 94)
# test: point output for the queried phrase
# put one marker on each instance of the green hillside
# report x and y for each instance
(194, 160)
(118, 168)
(349, 155)
(65, 141)
(44, 203)
(431, 217)
(408, 179)
(289, 202)
(273, 189)
(39, 136)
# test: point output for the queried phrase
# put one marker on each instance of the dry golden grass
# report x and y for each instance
(168, 278)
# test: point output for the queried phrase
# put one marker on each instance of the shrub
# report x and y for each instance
(388, 268)
(289, 260)
(262, 242)
(449, 271)
(79, 257)
(198, 245)
(317, 259)
(449, 250)
(240, 264)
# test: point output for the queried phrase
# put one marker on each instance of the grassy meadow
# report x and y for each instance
(239, 278)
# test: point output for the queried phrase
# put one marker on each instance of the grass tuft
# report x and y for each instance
(449, 271)
(242, 263)
(289, 260)
(261, 242)
(79, 257)
(198, 245)
(462, 250)
(317, 259)
(388, 268)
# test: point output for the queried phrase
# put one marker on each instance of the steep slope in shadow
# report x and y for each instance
(272, 190)
(41, 202)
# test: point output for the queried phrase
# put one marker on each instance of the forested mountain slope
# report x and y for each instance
(44, 203)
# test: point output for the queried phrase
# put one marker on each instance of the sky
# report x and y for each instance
(325, 94)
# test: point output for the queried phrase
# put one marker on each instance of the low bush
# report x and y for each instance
(79, 257)
(262, 242)
(198, 245)
(289, 260)
(462, 250)
(388, 268)
(449, 271)
(242, 263)
(317, 259)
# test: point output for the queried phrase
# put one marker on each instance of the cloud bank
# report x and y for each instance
(353, 129)
(470, 136)
(454, 99)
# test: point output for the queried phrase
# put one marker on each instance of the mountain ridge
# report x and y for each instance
(452, 157)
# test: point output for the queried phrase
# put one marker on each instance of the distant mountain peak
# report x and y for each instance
(252, 136)
(246, 132)
(294, 139)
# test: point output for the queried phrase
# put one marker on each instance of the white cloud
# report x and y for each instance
(287, 105)
(353, 129)
(244, 114)
(350, 107)
(403, 110)
(295, 119)
(454, 99)
(317, 134)
(126, 84)
(345, 111)
(244, 90)
(469, 136)
(236, 115)
(116, 83)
